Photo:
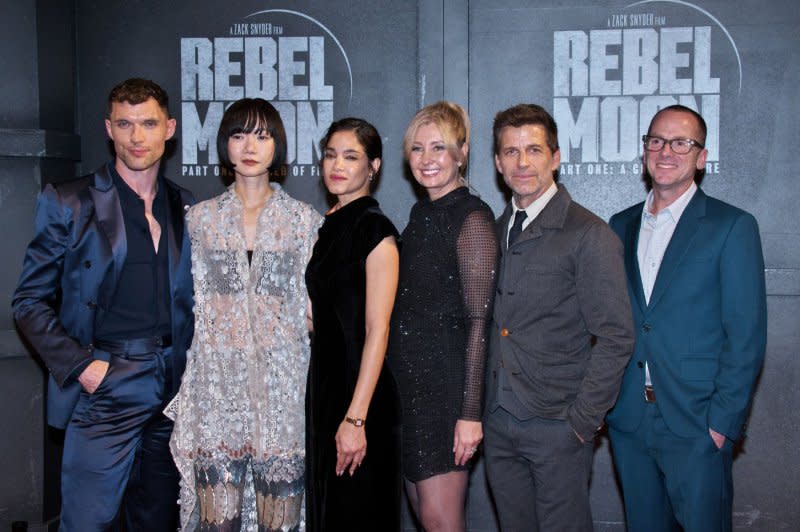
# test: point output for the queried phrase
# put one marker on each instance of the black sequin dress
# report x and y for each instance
(336, 280)
(438, 343)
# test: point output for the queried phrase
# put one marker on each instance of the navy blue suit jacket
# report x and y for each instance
(703, 333)
(70, 273)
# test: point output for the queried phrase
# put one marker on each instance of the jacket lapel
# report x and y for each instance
(631, 245)
(502, 228)
(174, 226)
(533, 231)
(176, 208)
(681, 239)
(551, 217)
(109, 217)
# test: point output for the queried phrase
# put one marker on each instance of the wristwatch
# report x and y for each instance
(357, 421)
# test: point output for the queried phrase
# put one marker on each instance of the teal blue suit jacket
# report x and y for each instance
(703, 333)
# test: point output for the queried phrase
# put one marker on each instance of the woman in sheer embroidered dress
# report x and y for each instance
(437, 341)
(352, 417)
(239, 439)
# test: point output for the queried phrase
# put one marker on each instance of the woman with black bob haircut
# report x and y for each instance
(246, 116)
(352, 409)
(239, 438)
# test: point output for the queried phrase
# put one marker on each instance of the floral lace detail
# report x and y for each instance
(243, 390)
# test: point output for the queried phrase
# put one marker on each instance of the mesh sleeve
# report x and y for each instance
(477, 264)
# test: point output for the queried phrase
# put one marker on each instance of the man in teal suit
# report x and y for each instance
(696, 282)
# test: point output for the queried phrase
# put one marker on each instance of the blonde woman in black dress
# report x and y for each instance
(437, 344)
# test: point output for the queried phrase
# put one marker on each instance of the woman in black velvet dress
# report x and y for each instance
(352, 411)
(438, 333)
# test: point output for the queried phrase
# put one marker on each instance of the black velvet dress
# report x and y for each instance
(437, 345)
(336, 280)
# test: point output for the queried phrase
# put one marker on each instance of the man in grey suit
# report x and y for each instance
(561, 335)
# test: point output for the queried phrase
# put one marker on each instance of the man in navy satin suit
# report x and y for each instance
(696, 281)
(105, 298)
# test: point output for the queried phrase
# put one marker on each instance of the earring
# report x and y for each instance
(370, 176)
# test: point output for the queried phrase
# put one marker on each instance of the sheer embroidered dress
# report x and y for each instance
(239, 429)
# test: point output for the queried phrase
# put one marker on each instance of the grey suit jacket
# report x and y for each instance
(562, 328)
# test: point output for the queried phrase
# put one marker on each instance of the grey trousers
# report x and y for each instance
(538, 472)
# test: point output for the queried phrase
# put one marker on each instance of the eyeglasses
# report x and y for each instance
(679, 146)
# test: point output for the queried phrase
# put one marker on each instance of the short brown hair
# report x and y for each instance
(453, 123)
(677, 108)
(138, 90)
(525, 114)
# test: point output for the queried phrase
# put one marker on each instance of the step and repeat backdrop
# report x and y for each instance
(601, 68)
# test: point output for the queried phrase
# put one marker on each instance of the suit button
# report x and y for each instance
(647, 327)
(92, 305)
(510, 293)
(499, 292)
(504, 332)
(639, 364)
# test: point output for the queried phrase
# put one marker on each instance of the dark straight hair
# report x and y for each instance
(250, 115)
(365, 132)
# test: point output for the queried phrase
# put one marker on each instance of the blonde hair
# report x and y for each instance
(453, 123)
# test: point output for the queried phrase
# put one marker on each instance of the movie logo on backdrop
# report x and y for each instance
(283, 56)
(610, 80)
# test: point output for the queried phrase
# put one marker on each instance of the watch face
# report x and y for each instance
(358, 422)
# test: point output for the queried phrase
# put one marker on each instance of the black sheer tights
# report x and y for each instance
(438, 501)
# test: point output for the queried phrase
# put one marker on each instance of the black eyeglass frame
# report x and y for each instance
(692, 143)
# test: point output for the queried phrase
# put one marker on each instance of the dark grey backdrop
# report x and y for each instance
(60, 59)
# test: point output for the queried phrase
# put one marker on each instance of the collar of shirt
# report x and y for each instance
(655, 233)
(534, 209)
(673, 211)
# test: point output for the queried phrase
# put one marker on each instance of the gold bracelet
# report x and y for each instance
(358, 421)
